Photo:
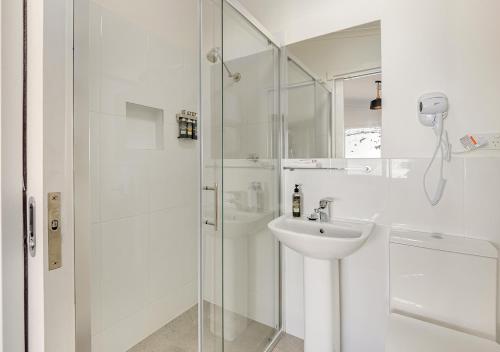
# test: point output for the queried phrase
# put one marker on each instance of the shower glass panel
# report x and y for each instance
(308, 115)
(250, 131)
(211, 180)
(136, 184)
(240, 78)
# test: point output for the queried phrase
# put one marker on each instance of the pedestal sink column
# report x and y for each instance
(321, 305)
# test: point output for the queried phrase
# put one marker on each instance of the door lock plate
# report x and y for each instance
(54, 230)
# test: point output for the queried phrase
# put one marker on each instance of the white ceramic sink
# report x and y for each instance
(333, 240)
(322, 245)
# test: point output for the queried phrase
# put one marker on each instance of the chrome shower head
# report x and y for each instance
(214, 55)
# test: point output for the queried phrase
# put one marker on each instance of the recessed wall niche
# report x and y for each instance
(144, 126)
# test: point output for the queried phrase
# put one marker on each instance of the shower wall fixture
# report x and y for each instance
(214, 55)
(188, 124)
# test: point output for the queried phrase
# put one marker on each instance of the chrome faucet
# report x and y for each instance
(325, 209)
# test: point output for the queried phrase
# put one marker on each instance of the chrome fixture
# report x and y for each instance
(214, 55)
(324, 211)
(366, 169)
(215, 222)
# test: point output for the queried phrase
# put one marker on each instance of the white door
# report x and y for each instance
(11, 191)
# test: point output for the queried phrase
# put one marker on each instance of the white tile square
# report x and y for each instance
(95, 166)
(96, 279)
(408, 205)
(115, 92)
(481, 203)
(173, 175)
(482, 198)
(95, 57)
(165, 79)
(124, 264)
(124, 173)
(172, 253)
(124, 47)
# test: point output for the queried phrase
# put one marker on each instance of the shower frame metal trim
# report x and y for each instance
(238, 7)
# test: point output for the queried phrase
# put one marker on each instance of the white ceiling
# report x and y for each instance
(372, 28)
(339, 53)
(361, 90)
(291, 21)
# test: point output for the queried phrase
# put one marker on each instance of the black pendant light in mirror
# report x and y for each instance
(376, 104)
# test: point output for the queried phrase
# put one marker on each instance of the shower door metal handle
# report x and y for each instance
(215, 222)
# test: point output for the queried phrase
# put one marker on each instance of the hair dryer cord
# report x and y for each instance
(442, 145)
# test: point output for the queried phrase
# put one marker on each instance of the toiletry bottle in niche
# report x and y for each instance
(195, 130)
(182, 128)
(297, 200)
(189, 128)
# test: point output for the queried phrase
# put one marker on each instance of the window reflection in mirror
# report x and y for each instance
(333, 105)
(362, 125)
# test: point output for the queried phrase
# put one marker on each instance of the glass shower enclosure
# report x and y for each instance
(240, 177)
(177, 141)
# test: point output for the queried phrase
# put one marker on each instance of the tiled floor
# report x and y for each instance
(289, 343)
(180, 335)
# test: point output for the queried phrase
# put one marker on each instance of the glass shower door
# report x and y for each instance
(240, 181)
(211, 68)
(250, 131)
(136, 182)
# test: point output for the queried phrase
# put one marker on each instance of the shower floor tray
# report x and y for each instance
(181, 335)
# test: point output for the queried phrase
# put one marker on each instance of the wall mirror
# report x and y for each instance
(334, 95)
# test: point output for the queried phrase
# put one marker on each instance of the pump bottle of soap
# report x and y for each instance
(297, 201)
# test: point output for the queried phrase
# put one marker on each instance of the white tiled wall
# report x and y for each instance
(249, 105)
(143, 199)
(391, 194)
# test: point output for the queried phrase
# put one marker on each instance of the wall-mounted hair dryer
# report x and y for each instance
(431, 104)
(432, 110)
